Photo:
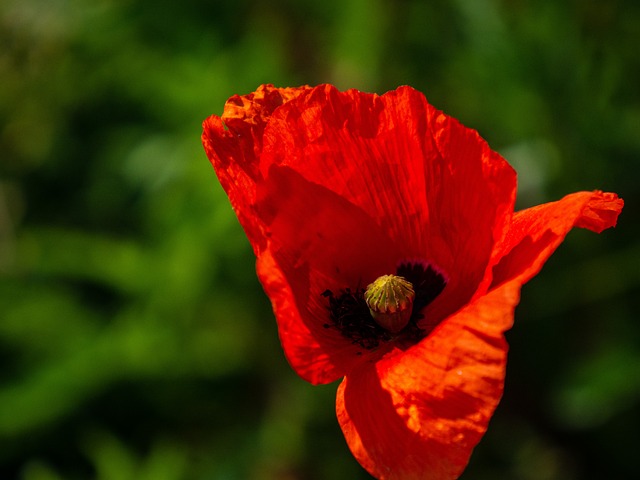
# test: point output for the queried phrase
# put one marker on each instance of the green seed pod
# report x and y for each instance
(390, 300)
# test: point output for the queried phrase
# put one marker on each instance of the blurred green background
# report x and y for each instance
(135, 340)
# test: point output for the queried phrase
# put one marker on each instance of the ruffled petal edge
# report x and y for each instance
(536, 232)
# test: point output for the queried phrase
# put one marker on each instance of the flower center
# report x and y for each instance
(389, 309)
(390, 302)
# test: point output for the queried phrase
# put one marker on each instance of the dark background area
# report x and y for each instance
(135, 340)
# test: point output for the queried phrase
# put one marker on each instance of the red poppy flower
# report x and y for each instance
(336, 189)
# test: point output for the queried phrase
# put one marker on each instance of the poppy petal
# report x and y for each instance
(536, 232)
(233, 144)
(316, 242)
(417, 414)
(432, 184)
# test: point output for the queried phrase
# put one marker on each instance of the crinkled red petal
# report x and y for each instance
(536, 232)
(334, 188)
(233, 144)
(432, 184)
(316, 240)
(418, 414)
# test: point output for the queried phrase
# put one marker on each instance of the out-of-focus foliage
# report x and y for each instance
(135, 341)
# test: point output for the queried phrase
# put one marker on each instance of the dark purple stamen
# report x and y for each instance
(350, 314)
(427, 282)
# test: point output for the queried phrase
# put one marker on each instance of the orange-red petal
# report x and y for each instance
(233, 144)
(316, 240)
(536, 232)
(335, 188)
(432, 184)
(418, 414)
